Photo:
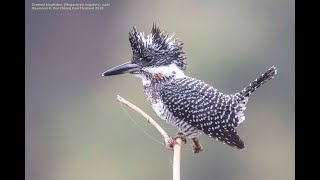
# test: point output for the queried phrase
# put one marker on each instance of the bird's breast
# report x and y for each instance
(152, 94)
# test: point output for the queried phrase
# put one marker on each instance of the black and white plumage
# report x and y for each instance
(191, 105)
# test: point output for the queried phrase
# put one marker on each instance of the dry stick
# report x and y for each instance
(168, 140)
(176, 159)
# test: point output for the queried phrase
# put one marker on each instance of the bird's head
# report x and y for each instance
(154, 56)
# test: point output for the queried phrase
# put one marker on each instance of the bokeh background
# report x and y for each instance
(76, 130)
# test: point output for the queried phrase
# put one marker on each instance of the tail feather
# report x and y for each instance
(268, 75)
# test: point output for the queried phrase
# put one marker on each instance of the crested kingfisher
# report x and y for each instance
(191, 105)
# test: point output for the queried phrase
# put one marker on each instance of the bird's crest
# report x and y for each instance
(159, 44)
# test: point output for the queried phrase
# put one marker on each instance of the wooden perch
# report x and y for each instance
(169, 142)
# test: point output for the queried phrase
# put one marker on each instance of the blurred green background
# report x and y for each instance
(75, 129)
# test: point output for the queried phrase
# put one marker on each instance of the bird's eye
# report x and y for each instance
(148, 59)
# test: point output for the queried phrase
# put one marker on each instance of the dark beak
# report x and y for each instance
(121, 69)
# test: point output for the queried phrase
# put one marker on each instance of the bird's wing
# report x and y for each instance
(203, 107)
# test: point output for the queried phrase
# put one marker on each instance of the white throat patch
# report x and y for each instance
(171, 70)
(166, 71)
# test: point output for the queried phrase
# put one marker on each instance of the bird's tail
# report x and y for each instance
(269, 74)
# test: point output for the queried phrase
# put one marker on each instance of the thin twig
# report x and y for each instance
(146, 116)
(169, 141)
(176, 159)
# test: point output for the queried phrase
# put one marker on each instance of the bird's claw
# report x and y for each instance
(182, 136)
(169, 143)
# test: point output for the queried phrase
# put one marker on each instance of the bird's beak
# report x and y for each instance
(121, 69)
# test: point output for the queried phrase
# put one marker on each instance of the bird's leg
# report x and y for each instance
(196, 146)
(182, 136)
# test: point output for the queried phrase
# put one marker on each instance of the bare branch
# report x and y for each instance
(176, 159)
(170, 143)
(148, 118)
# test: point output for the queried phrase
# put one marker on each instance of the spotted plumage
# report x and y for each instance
(191, 105)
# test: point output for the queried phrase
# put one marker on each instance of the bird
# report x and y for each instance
(191, 105)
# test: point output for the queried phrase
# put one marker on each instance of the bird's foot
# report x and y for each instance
(182, 136)
(196, 146)
(169, 143)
